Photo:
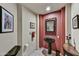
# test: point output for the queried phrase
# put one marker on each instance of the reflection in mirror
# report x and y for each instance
(50, 25)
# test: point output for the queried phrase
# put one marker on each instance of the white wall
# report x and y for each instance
(37, 32)
(67, 21)
(27, 17)
(8, 40)
(74, 32)
(19, 27)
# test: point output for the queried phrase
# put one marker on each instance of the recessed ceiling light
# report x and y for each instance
(48, 8)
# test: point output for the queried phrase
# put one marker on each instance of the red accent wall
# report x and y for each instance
(60, 30)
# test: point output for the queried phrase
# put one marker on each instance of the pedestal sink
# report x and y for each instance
(49, 40)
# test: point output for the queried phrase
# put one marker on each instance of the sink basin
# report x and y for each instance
(70, 50)
(49, 39)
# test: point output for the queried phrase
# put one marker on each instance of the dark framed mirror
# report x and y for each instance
(50, 25)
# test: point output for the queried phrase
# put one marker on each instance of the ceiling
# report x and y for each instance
(39, 8)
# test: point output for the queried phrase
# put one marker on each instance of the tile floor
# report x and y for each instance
(41, 52)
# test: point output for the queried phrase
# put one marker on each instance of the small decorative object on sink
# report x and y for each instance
(69, 38)
(75, 22)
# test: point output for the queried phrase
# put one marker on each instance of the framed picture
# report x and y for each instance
(6, 21)
(50, 25)
(32, 25)
(75, 22)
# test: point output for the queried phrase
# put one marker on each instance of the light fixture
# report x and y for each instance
(48, 8)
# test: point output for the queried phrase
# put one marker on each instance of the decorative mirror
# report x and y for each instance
(50, 25)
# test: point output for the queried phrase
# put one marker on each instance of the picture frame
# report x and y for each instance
(75, 22)
(50, 25)
(32, 25)
(6, 21)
